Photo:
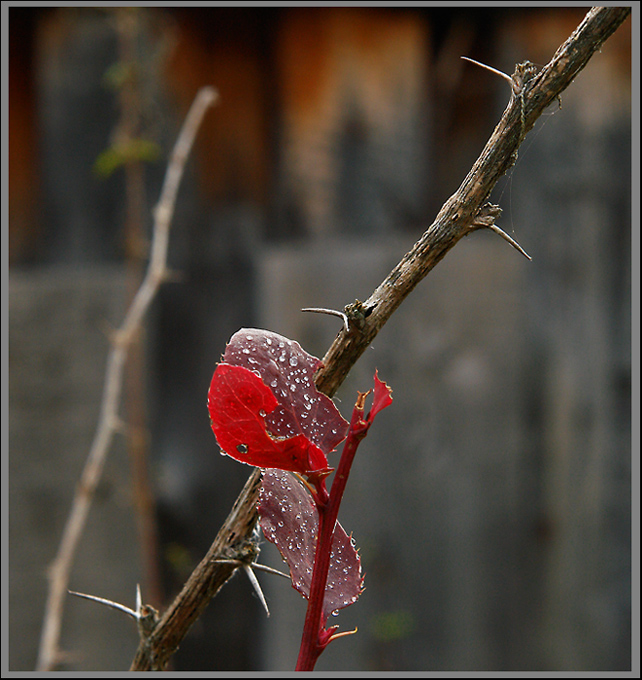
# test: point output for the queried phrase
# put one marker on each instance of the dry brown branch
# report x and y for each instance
(108, 420)
(462, 214)
(532, 92)
(233, 542)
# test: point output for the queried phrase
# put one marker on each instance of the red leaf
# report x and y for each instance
(290, 520)
(265, 409)
(288, 371)
(239, 402)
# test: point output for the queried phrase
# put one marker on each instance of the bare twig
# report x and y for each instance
(108, 420)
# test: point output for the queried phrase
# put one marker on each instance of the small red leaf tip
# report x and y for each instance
(382, 397)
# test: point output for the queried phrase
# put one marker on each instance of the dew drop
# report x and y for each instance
(268, 341)
(293, 361)
(274, 383)
(242, 448)
(246, 350)
(249, 337)
(262, 413)
(293, 388)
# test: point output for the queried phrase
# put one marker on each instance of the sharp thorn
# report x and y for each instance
(255, 565)
(510, 240)
(108, 603)
(332, 312)
(257, 587)
(501, 74)
(269, 570)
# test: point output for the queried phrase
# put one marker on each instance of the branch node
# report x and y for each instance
(119, 338)
(172, 276)
(357, 313)
(119, 426)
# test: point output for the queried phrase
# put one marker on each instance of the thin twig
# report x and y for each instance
(108, 421)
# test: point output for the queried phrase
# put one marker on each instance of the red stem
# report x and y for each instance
(314, 641)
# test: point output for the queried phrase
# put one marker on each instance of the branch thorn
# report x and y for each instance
(108, 603)
(501, 74)
(510, 240)
(332, 312)
(247, 568)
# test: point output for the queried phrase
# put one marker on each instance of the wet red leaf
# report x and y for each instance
(265, 409)
(290, 520)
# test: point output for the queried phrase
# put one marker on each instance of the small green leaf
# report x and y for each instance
(114, 157)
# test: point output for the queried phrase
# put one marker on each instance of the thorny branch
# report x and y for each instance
(108, 421)
(463, 213)
(532, 92)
